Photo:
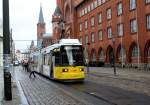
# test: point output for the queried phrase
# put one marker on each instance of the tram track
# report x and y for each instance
(95, 93)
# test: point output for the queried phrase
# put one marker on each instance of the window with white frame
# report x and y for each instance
(133, 26)
(135, 51)
(101, 55)
(82, 12)
(85, 10)
(92, 21)
(109, 14)
(120, 29)
(109, 32)
(132, 4)
(99, 2)
(86, 24)
(95, 4)
(100, 35)
(86, 39)
(103, 1)
(147, 1)
(148, 22)
(100, 18)
(89, 8)
(80, 39)
(148, 51)
(92, 37)
(92, 5)
(119, 9)
(80, 26)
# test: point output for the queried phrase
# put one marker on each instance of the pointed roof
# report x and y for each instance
(41, 18)
(57, 11)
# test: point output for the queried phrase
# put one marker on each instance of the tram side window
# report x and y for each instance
(57, 58)
(46, 59)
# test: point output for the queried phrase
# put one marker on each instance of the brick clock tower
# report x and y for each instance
(40, 29)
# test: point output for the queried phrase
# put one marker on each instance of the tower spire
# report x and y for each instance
(41, 18)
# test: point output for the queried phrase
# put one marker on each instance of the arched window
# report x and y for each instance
(94, 56)
(101, 55)
(149, 51)
(135, 51)
(122, 55)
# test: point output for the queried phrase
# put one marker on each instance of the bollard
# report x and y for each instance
(7, 86)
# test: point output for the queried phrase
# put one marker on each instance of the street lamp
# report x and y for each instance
(114, 60)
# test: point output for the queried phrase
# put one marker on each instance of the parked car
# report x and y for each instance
(16, 63)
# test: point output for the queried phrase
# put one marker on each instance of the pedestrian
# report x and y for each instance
(32, 71)
(26, 65)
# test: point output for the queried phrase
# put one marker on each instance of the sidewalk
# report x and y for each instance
(17, 93)
(128, 79)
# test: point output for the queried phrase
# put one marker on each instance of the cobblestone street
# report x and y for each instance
(127, 79)
(39, 91)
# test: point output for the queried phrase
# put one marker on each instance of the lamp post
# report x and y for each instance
(6, 51)
(114, 60)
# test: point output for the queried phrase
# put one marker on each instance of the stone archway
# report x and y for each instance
(134, 53)
(109, 55)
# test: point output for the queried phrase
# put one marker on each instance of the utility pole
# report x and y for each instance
(6, 51)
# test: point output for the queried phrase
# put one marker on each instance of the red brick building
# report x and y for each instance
(105, 27)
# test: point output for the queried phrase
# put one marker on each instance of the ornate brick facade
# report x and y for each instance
(97, 22)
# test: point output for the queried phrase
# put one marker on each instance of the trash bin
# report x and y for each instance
(7, 86)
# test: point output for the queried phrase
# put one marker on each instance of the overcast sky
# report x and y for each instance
(24, 15)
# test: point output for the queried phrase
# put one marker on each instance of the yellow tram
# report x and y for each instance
(61, 61)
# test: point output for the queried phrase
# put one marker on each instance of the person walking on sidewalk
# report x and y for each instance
(32, 71)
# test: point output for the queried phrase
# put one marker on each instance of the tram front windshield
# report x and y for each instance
(72, 56)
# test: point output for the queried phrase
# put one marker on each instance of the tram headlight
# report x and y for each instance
(81, 69)
(65, 70)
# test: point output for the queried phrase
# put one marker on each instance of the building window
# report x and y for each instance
(85, 10)
(95, 4)
(100, 35)
(92, 37)
(80, 39)
(147, 1)
(149, 51)
(82, 12)
(133, 26)
(135, 51)
(132, 4)
(92, 5)
(109, 32)
(100, 18)
(92, 21)
(86, 24)
(86, 39)
(101, 55)
(89, 8)
(94, 56)
(109, 14)
(120, 29)
(99, 2)
(80, 27)
(148, 21)
(119, 9)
